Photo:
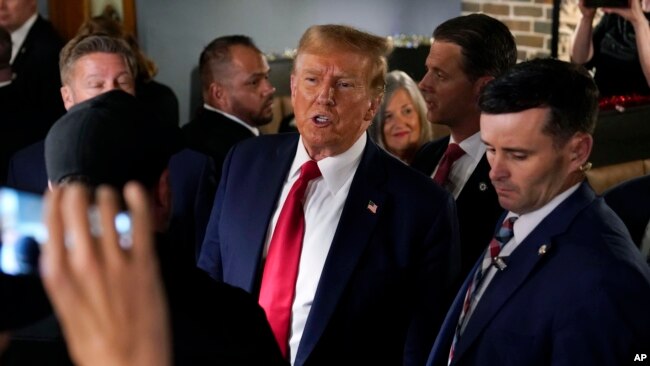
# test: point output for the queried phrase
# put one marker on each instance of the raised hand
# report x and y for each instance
(109, 300)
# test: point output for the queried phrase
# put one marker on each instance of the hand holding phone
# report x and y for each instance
(110, 301)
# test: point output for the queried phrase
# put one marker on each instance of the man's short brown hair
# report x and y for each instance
(93, 43)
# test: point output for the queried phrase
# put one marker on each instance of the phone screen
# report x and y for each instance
(22, 230)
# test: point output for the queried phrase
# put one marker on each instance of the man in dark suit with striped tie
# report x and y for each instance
(562, 283)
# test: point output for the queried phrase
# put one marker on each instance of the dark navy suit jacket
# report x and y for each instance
(631, 202)
(582, 301)
(36, 67)
(387, 275)
(477, 204)
(27, 169)
(214, 134)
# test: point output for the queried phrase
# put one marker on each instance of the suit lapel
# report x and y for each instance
(478, 183)
(352, 236)
(437, 149)
(29, 39)
(440, 351)
(521, 263)
(263, 197)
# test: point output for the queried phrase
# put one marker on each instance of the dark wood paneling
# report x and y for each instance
(67, 16)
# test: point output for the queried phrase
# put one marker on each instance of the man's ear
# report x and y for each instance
(480, 84)
(579, 150)
(292, 83)
(217, 94)
(66, 95)
(373, 108)
(162, 201)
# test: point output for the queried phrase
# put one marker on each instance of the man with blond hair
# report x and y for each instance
(359, 272)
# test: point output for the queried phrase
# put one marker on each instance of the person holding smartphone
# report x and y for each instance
(618, 48)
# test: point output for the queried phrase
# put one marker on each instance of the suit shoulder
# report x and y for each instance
(29, 153)
(407, 182)
(598, 235)
(43, 32)
(267, 143)
(427, 156)
(637, 188)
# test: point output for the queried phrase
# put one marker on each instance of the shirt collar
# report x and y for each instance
(254, 130)
(529, 221)
(473, 146)
(336, 170)
(18, 36)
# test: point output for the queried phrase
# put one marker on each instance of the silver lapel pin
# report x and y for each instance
(542, 250)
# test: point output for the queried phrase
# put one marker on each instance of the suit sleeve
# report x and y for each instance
(608, 326)
(206, 191)
(438, 270)
(210, 256)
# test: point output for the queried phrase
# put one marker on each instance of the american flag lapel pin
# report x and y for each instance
(372, 207)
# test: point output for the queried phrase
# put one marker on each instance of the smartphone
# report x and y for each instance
(22, 231)
(607, 3)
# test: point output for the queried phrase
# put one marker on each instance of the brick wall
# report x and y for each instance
(530, 21)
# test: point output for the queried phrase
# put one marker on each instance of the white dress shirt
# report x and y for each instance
(463, 168)
(524, 225)
(324, 200)
(18, 36)
(254, 130)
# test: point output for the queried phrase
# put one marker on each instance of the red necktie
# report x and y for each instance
(281, 268)
(453, 152)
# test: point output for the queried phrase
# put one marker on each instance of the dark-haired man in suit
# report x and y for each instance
(467, 53)
(561, 283)
(350, 252)
(237, 97)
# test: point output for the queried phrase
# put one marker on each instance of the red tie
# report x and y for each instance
(453, 152)
(281, 269)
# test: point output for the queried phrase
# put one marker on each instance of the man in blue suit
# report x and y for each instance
(378, 251)
(569, 287)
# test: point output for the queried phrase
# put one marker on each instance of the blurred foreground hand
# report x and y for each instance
(109, 301)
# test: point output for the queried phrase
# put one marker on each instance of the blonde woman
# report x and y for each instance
(401, 126)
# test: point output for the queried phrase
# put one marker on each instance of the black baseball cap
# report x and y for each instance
(110, 139)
